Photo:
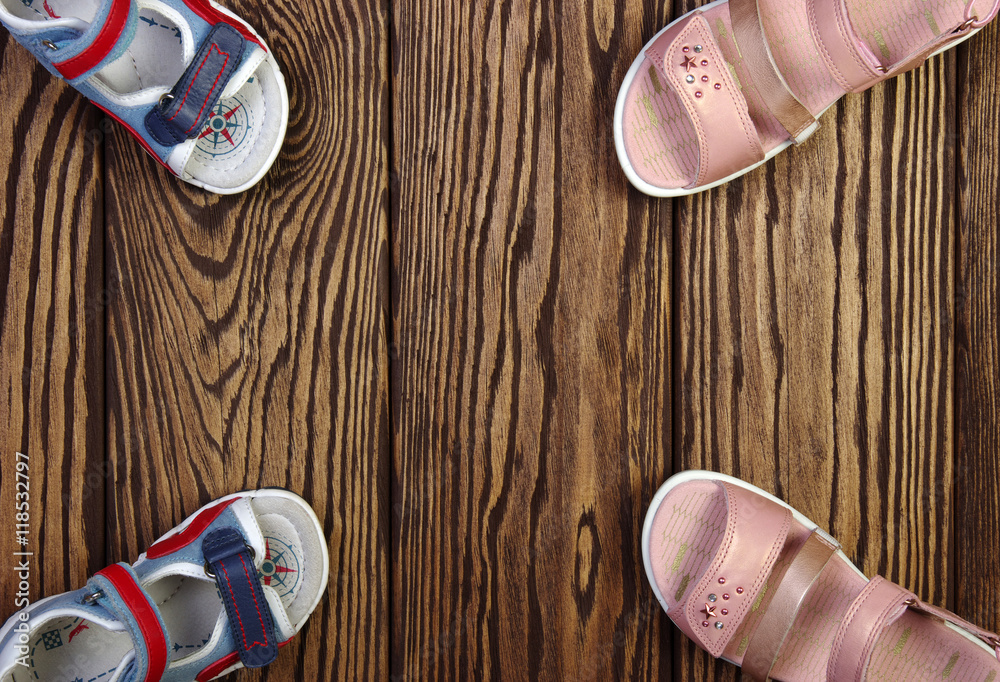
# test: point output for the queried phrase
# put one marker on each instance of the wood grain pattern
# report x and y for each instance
(870, 320)
(52, 300)
(447, 321)
(248, 345)
(816, 304)
(531, 388)
(871, 353)
(977, 493)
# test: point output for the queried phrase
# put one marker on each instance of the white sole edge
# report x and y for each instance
(619, 120)
(696, 475)
(283, 126)
(268, 492)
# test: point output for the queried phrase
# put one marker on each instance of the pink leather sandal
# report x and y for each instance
(754, 582)
(730, 85)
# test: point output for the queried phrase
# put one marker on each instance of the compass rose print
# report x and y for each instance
(280, 568)
(226, 129)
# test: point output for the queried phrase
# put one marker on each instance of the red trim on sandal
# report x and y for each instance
(179, 541)
(145, 616)
(224, 663)
(102, 46)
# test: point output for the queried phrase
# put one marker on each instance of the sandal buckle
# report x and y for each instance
(995, 643)
(969, 24)
(91, 599)
(253, 557)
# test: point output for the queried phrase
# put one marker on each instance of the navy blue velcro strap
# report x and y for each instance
(229, 560)
(182, 115)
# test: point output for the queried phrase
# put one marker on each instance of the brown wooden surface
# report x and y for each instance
(977, 363)
(52, 300)
(446, 319)
(531, 388)
(247, 346)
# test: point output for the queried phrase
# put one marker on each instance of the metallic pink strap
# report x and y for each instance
(974, 20)
(767, 640)
(690, 59)
(847, 57)
(756, 529)
(751, 40)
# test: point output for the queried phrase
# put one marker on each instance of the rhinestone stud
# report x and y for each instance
(698, 48)
(712, 598)
(690, 79)
(719, 625)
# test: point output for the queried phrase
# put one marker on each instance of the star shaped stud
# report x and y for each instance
(689, 63)
(709, 611)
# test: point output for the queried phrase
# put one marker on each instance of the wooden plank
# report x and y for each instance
(52, 301)
(977, 480)
(531, 381)
(870, 280)
(248, 347)
(816, 304)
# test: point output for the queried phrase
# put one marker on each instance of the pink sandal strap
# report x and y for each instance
(878, 606)
(772, 631)
(977, 21)
(756, 529)
(690, 59)
(852, 63)
(989, 638)
(847, 57)
(748, 32)
(971, 22)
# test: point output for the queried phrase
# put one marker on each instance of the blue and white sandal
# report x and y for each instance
(226, 589)
(190, 80)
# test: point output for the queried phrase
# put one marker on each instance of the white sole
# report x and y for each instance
(695, 475)
(619, 122)
(283, 125)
